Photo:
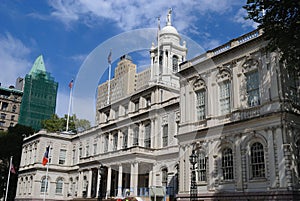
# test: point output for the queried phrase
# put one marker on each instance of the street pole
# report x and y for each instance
(193, 188)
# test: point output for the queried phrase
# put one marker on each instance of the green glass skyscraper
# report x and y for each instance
(39, 97)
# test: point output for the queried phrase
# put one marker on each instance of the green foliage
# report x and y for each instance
(280, 20)
(59, 124)
(11, 145)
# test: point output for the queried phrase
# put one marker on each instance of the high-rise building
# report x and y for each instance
(39, 99)
(10, 102)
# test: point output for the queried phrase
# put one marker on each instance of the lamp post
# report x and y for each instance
(193, 189)
(101, 167)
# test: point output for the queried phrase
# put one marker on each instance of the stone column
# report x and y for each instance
(152, 135)
(98, 182)
(80, 182)
(120, 180)
(280, 158)
(108, 182)
(271, 157)
(89, 183)
(150, 178)
(134, 179)
(239, 171)
(141, 135)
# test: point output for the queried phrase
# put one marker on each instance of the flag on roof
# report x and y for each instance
(71, 84)
(46, 156)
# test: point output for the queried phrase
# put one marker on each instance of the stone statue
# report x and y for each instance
(169, 17)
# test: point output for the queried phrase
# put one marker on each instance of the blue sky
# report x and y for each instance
(66, 31)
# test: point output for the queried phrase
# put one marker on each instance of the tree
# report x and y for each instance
(280, 21)
(59, 124)
(11, 145)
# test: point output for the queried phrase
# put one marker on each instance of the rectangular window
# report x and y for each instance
(136, 106)
(126, 109)
(136, 136)
(201, 167)
(115, 142)
(62, 156)
(253, 88)
(12, 118)
(106, 143)
(116, 113)
(148, 102)
(225, 97)
(147, 140)
(200, 104)
(73, 156)
(80, 152)
(4, 106)
(3, 116)
(125, 139)
(87, 150)
(95, 148)
(165, 135)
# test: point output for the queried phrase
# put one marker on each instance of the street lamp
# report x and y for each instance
(193, 189)
(101, 169)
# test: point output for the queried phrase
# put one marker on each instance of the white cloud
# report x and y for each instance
(137, 13)
(240, 18)
(13, 59)
(211, 44)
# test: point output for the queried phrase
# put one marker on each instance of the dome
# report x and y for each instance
(169, 30)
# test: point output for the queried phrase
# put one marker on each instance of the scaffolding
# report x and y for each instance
(39, 97)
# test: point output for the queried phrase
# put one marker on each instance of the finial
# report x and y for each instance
(169, 16)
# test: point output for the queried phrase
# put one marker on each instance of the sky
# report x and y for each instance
(66, 32)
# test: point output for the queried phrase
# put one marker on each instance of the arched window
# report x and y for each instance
(59, 186)
(44, 185)
(201, 166)
(227, 164)
(257, 160)
(175, 63)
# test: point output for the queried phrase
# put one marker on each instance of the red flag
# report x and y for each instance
(46, 156)
(71, 84)
(12, 168)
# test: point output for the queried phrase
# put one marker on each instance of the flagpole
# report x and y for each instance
(8, 178)
(158, 32)
(109, 72)
(46, 182)
(69, 109)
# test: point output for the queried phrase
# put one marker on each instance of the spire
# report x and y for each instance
(38, 66)
(169, 17)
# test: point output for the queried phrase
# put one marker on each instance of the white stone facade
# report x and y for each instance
(246, 146)
(236, 107)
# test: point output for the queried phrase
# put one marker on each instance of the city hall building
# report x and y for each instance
(221, 126)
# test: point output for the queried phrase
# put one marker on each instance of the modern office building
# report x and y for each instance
(222, 126)
(39, 100)
(10, 102)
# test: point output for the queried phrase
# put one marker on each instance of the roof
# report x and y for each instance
(38, 66)
(169, 30)
(11, 90)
